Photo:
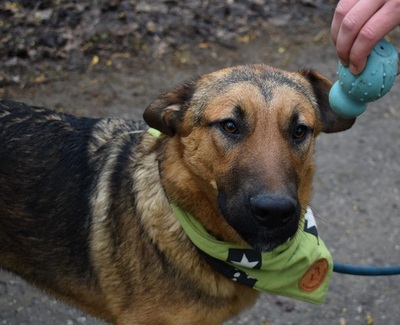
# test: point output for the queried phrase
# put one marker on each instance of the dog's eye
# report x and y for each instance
(229, 127)
(300, 132)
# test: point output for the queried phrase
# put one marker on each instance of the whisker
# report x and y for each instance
(315, 211)
(318, 215)
(131, 132)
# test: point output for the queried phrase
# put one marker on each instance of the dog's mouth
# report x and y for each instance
(265, 241)
(266, 222)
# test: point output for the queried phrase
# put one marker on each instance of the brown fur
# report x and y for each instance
(85, 204)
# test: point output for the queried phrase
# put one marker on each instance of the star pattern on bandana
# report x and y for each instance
(310, 225)
(247, 258)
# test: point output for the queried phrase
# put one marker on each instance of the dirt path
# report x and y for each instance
(357, 185)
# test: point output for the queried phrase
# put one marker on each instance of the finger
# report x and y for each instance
(385, 20)
(342, 8)
(351, 25)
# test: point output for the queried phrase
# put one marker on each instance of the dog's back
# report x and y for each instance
(48, 169)
(37, 148)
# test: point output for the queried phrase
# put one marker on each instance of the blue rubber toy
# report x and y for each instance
(349, 95)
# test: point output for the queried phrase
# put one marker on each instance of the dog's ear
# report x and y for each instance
(166, 112)
(331, 122)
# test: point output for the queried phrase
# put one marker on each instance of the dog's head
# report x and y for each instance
(242, 140)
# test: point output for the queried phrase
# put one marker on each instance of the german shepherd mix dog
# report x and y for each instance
(85, 203)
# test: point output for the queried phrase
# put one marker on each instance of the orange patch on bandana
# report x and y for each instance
(314, 276)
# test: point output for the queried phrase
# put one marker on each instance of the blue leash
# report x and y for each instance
(366, 270)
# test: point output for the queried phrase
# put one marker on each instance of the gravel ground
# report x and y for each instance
(110, 58)
(49, 36)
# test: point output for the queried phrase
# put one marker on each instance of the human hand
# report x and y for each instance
(358, 25)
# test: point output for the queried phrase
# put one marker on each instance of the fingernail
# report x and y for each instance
(354, 70)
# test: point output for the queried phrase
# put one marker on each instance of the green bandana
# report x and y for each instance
(300, 268)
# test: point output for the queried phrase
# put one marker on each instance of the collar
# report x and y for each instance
(299, 269)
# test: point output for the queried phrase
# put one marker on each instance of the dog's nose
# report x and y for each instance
(273, 210)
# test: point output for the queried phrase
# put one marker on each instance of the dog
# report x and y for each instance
(85, 203)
